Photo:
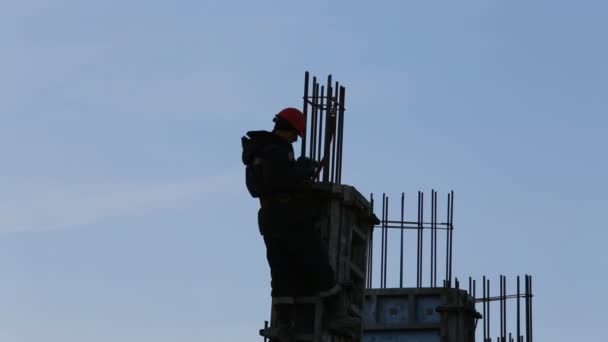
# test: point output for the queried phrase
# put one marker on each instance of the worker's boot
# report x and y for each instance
(340, 322)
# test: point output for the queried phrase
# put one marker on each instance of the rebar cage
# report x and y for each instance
(422, 227)
(324, 109)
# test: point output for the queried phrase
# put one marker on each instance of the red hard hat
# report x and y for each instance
(295, 119)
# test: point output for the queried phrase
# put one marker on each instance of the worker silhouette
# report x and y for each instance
(298, 258)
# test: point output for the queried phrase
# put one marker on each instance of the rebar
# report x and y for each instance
(334, 112)
(370, 252)
(323, 109)
(503, 312)
(329, 130)
(421, 227)
(382, 247)
(518, 311)
(385, 256)
(420, 241)
(314, 119)
(342, 98)
(488, 307)
(485, 311)
(401, 243)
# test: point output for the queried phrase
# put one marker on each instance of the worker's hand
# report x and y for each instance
(307, 165)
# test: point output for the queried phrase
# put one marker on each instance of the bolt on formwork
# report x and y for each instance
(323, 109)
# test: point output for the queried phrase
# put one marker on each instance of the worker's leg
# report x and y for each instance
(297, 256)
(299, 263)
(316, 273)
(278, 251)
(283, 268)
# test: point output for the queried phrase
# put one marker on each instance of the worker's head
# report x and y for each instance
(289, 123)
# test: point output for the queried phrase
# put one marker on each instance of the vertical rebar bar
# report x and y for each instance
(329, 127)
(504, 308)
(386, 230)
(313, 132)
(518, 327)
(382, 240)
(527, 297)
(334, 113)
(432, 235)
(386, 243)
(489, 309)
(342, 99)
(382, 232)
(418, 248)
(401, 245)
(500, 299)
(320, 106)
(421, 222)
(451, 230)
(435, 239)
(530, 292)
(485, 314)
(305, 112)
(318, 118)
(418, 242)
(370, 269)
(338, 133)
(447, 244)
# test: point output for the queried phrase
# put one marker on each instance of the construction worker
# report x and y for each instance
(298, 258)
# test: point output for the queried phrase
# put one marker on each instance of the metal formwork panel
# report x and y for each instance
(345, 223)
(393, 310)
(400, 336)
(418, 314)
(426, 309)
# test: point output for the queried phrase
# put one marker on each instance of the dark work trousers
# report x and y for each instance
(296, 253)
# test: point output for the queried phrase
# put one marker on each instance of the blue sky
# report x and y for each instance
(124, 217)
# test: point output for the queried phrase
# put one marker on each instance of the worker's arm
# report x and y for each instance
(284, 175)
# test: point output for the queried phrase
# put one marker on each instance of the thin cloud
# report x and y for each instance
(69, 205)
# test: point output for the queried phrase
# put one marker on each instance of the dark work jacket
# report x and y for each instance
(272, 158)
(273, 174)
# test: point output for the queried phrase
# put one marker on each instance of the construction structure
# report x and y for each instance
(369, 255)
(403, 306)
(345, 227)
(345, 224)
